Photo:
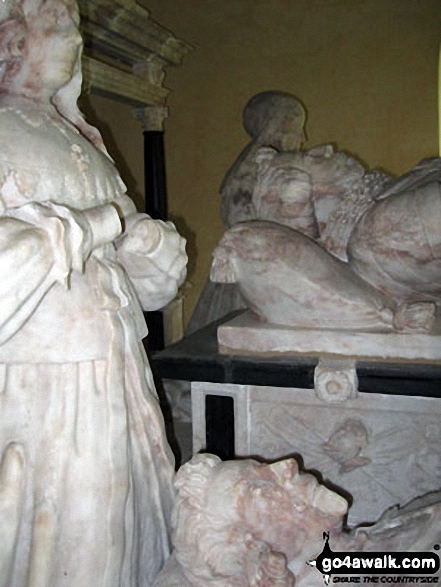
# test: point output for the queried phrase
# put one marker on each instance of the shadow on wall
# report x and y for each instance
(191, 248)
(134, 190)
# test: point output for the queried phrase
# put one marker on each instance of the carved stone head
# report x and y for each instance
(40, 58)
(40, 46)
(275, 119)
(232, 518)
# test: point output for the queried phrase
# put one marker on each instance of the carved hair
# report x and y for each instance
(12, 39)
(209, 545)
(224, 530)
(13, 33)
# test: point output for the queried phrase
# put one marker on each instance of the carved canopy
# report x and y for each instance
(126, 52)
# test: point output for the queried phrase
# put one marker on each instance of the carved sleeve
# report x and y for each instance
(153, 254)
(40, 244)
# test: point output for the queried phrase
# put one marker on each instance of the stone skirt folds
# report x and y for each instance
(86, 474)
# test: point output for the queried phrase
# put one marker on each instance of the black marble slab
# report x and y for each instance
(196, 358)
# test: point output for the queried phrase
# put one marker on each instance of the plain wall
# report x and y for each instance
(366, 71)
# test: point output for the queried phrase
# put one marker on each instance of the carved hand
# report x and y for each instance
(153, 254)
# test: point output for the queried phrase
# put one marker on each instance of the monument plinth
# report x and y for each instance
(246, 334)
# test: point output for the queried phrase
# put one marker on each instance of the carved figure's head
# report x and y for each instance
(228, 515)
(40, 46)
(325, 165)
(40, 57)
(275, 119)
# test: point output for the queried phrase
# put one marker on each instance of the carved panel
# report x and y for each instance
(383, 450)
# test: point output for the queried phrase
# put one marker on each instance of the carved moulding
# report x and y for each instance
(126, 52)
(247, 334)
(336, 380)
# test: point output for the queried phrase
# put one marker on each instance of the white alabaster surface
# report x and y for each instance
(239, 523)
(269, 118)
(396, 244)
(246, 524)
(321, 193)
(85, 470)
(289, 280)
(247, 334)
(333, 247)
(380, 449)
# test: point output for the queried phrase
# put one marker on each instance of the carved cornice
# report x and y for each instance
(126, 53)
(103, 78)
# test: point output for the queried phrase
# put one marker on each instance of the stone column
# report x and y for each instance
(165, 326)
(152, 120)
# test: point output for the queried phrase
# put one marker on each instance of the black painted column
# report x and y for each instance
(154, 169)
(152, 119)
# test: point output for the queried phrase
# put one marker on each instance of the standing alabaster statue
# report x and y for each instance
(338, 248)
(86, 473)
(271, 119)
(247, 524)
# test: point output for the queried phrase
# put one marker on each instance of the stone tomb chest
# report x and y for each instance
(368, 427)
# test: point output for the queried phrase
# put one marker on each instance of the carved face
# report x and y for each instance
(292, 134)
(52, 48)
(277, 119)
(287, 509)
(327, 166)
(276, 503)
(285, 130)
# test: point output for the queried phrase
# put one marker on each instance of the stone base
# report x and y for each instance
(246, 334)
(381, 450)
